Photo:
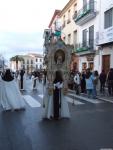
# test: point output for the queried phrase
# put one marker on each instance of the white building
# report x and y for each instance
(69, 32)
(87, 18)
(106, 34)
(30, 62)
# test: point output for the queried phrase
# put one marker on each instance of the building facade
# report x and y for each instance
(55, 26)
(69, 32)
(88, 26)
(87, 18)
(106, 35)
(30, 63)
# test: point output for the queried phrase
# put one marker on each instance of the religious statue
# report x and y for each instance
(59, 57)
(59, 60)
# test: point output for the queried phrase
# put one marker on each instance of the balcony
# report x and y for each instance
(85, 14)
(85, 48)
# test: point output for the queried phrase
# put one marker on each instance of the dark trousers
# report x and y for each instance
(83, 87)
(21, 83)
(77, 89)
(34, 84)
(56, 102)
(110, 88)
(102, 87)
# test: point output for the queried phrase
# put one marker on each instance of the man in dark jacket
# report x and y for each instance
(110, 81)
(102, 79)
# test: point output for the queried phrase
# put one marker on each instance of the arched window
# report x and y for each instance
(27, 61)
(31, 61)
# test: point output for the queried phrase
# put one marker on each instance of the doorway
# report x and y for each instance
(106, 63)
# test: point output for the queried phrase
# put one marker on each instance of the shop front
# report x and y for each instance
(87, 61)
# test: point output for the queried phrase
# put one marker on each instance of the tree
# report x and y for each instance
(17, 58)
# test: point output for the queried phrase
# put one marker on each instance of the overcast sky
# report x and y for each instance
(22, 23)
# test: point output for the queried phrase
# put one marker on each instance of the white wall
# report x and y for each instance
(71, 27)
(94, 21)
(105, 5)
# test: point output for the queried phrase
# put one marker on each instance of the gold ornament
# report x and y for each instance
(50, 91)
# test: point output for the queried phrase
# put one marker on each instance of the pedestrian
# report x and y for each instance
(22, 72)
(77, 82)
(83, 82)
(95, 83)
(34, 79)
(71, 81)
(102, 78)
(89, 83)
(110, 81)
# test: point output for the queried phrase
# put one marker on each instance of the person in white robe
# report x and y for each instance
(55, 103)
(47, 100)
(10, 96)
(34, 79)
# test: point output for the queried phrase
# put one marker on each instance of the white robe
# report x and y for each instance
(10, 96)
(48, 103)
(34, 78)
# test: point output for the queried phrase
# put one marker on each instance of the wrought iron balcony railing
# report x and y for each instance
(87, 10)
(85, 46)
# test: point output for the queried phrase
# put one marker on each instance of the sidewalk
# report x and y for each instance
(100, 96)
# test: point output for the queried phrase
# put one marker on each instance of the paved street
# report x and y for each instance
(89, 128)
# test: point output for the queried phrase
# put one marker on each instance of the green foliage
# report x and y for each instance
(17, 58)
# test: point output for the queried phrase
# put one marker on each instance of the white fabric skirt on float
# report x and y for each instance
(10, 96)
(48, 102)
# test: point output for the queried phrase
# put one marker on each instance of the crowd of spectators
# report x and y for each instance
(90, 81)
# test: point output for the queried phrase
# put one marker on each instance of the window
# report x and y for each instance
(31, 61)
(84, 66)
(75, 11)
(84, 37)
(91, 36)
(63, 21)
(84, 2)
(40, 66)
(36, 59)
(75, 14)
(69, 38)
(108, 18)
(23, 61)
(69, 16)
(40, 60)
(91, 65)
(75, 8)
(27, 61)
(75, 38)
(91, 5)
(84, 5)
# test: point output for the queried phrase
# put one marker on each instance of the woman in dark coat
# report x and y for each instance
(102, 78)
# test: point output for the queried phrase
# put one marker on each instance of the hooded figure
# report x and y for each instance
(10, 96)
(8, 76)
